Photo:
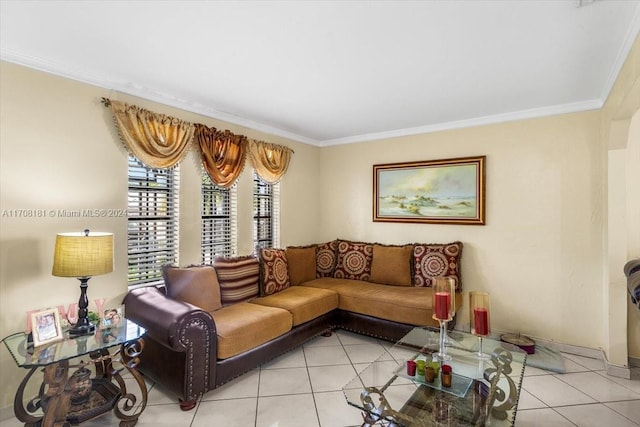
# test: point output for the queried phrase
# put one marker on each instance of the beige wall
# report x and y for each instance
(540, 253)
(633, 218)
(621, 137)
(545, 252)
(59, 151)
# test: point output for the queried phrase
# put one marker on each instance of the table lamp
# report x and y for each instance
(83, 255)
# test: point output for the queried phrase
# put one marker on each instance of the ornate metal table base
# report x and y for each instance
(492, 401)
(108, 391)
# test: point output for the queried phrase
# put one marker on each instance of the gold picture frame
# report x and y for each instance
(46, 327)
(446, 191)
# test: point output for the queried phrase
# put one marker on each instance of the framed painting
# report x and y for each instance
(447, 191)
(46, 327)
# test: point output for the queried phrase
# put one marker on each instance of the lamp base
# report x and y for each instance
(79, 330)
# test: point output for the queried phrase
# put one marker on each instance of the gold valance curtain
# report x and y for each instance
(160, 141)
(269, 160)
(223, 154)
(157, 140)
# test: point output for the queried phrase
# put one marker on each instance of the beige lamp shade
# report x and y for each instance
(83, 254)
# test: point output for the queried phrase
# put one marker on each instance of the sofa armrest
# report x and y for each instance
(168, 321)
(183, 342)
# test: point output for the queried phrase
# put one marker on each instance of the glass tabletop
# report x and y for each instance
(25, 355)
(385, 391)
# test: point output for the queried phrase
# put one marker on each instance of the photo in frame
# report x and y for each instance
(446, 191)
(46, 327)
(112, 317)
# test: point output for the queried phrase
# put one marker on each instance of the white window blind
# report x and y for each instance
(152, 239)
(218, 220)
(266, 213)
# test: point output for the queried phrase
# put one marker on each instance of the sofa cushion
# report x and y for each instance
(302, 263)
(304, 303)
(274, 271)
(391, 265)
(433, 260)
(243, 326)
(326, 258)
(404, 304)
(354, 260)
(238, 278)
(197, 285)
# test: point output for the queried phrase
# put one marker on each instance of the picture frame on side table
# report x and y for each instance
(112, 317)
(446, 191)
(46, 327)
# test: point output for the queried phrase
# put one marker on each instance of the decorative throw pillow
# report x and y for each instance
(197, 285)
(274, 271)
(238, 278)
(391, 265)
(326, 259)
(354, 260)
(302, 264)
(433, 260)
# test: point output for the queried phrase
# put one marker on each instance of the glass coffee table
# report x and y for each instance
(484, 391)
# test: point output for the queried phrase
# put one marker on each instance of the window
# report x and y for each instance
(266, 213)
(218, 220)
(152, 239)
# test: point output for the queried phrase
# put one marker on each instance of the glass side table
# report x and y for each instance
(95, 387)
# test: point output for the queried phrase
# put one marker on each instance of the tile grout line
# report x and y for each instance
(596, 401)
(313, 394)
(255, 418)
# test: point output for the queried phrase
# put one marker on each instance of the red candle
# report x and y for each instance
(481, 321)
(442, 304)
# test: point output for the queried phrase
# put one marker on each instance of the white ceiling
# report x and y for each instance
(331, 72)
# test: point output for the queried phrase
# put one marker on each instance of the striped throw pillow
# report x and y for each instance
(238, 278)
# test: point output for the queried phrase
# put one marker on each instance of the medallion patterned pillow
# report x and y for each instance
(326, 259)
(354, 260)
(274, 271)
(238, 278)
(433, 260)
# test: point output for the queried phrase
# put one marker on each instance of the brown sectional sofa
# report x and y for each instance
(210, 324)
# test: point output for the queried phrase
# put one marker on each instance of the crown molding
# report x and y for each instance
(139, 91)
(102, 81)
(623, 54)
(593, 104)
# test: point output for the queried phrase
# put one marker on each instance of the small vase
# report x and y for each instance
(81, 386)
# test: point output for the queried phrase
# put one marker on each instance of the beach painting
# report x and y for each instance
(434, 191)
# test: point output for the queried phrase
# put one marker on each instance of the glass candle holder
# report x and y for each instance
(479, 315)
(443, 304)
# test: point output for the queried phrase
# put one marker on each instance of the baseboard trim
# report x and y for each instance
(593, 353)
(616, 370)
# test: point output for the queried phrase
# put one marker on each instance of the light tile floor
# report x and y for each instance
(303, 389)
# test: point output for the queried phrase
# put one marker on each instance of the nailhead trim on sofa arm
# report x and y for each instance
(181, 327)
